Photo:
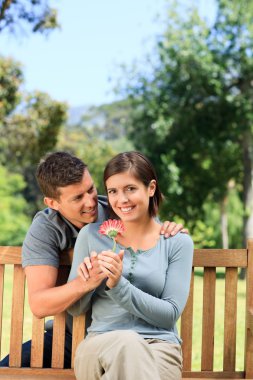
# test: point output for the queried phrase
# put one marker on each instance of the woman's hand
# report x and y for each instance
(112, 265)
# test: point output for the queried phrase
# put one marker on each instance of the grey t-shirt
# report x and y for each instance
(50, 233)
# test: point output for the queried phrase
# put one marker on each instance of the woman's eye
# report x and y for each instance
(130, 188)
(111, 191)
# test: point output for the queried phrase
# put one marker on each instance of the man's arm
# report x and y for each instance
(45, 298)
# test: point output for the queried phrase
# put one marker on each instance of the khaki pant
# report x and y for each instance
(125, 355)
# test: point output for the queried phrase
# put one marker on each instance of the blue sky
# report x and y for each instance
(73, 64)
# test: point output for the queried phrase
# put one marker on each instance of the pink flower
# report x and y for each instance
(112, 228)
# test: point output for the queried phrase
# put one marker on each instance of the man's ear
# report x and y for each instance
(52, 203)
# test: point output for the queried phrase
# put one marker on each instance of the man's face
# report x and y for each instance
(78, 203)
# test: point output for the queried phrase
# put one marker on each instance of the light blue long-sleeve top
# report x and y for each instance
(151, 293)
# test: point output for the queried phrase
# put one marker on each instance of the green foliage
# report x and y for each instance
(91, 149)
(17, 15)
(37, 121)
(13, 219)
(98, 137)
(11, 78)
(29, 123)
(107, 121)
(192, 110)
(29, 127)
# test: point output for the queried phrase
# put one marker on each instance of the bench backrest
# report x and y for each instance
(211, 261)
(207, 259)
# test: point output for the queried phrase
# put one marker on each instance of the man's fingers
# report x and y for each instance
(185, 231)
(87, 262)
(176, 228)
(82, 271)
(164, 227)
(170, 228)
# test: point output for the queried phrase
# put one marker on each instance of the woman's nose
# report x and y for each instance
(122, 197)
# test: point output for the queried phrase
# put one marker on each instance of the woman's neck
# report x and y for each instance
(140, 235)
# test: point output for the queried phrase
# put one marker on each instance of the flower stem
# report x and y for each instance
(114, 245)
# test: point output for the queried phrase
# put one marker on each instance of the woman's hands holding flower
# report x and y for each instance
(112, 265)
(107, 264)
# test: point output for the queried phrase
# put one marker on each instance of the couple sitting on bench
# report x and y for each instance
(134, 278)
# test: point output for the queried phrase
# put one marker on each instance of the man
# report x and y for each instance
(72, 202)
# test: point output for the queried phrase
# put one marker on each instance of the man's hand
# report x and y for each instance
(172, 228)
(112, 265)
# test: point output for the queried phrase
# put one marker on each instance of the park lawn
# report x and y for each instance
(219, 322)
(197, 322)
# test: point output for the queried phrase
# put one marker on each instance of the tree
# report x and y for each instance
(17, 15)
(195, 106)
(29, 127)
(107, 120)
(94, 151)
(13, 219)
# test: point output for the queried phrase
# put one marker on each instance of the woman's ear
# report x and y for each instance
(152, 187)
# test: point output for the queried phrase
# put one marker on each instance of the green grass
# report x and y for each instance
(197, 321)
(219, 322)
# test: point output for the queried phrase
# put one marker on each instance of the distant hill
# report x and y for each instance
(75, 114)
(107, 120)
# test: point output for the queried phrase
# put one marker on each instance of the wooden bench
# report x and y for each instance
(207, 259)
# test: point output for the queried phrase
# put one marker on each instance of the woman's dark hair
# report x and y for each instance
(141, 168)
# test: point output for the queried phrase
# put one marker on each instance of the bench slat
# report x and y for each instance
(10, 255)
(220, 258)
(249, 303)
(17, 316)
(230, 316)
(218, 375)
(208, 319)
(37, 342)
(34, 373)
(186, 329)
(78, 334)
(1, 300)
(58, 340)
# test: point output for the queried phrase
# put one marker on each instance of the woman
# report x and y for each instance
(138, 292)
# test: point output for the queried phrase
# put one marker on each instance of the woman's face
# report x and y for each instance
(129, 197)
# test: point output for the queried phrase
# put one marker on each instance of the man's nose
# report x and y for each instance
(89, 200)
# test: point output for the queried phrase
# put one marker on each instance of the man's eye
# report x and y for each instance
(91, 190)
(130, 188)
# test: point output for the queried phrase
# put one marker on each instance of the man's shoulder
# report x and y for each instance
(48, 225)
(102, 199)
(89, 229)
(49, 217)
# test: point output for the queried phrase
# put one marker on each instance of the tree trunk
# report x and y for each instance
(224, 223)
(247, 190)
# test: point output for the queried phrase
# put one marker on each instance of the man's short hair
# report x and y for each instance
(58, 169)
